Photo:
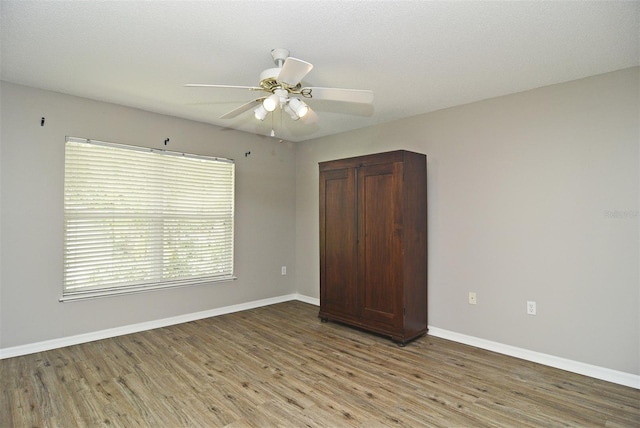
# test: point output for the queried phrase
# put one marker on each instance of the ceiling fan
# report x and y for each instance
(283, 90)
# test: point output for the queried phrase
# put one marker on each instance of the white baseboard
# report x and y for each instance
(596, 372)
(614, 376)
(47, 345)
(306, 299)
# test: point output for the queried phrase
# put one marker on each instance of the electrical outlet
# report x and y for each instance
(531, 308)
(472, 298)
(284, 270)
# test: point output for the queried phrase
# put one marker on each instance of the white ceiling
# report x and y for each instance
(416, 56)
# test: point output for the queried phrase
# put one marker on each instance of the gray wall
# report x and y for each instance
(532, 196)
(32, 174)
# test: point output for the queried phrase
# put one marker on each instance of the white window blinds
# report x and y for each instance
(137, 219)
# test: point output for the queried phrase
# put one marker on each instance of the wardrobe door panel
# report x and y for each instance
(338, 262)
(380, 243)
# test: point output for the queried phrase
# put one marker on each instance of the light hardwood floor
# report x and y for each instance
(280, 366)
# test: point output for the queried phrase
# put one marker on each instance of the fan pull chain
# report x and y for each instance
(273, 133)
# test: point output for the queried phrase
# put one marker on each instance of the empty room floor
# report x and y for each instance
(280, 366)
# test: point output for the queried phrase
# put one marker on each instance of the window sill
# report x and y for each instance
(98, 294)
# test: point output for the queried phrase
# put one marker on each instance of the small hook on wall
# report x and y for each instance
(42, 121)
(246, 154)
(166, 141)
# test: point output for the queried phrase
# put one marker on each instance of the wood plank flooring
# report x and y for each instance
(280, 366)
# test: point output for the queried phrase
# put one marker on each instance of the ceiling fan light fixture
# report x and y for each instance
(291, 112)
(260, 113)
(271, 102)
(299, 107)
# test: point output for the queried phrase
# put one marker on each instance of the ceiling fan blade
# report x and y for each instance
(293, 71)
(244, 107)
(204, 85)
(337, 94)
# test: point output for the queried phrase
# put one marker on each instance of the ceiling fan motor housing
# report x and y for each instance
(268, 78)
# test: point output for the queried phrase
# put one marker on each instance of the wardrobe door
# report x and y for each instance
(380, 245)
(338, 259)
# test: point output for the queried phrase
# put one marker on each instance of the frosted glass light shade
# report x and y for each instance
(298, 106)
(260, 113)
(271, 102)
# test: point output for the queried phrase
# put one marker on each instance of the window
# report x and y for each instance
(138, 219)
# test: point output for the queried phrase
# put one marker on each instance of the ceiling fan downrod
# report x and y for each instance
(279, 56)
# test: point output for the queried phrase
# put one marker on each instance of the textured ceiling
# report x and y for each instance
(416, 56)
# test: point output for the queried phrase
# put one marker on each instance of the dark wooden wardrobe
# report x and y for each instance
(373, 243)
